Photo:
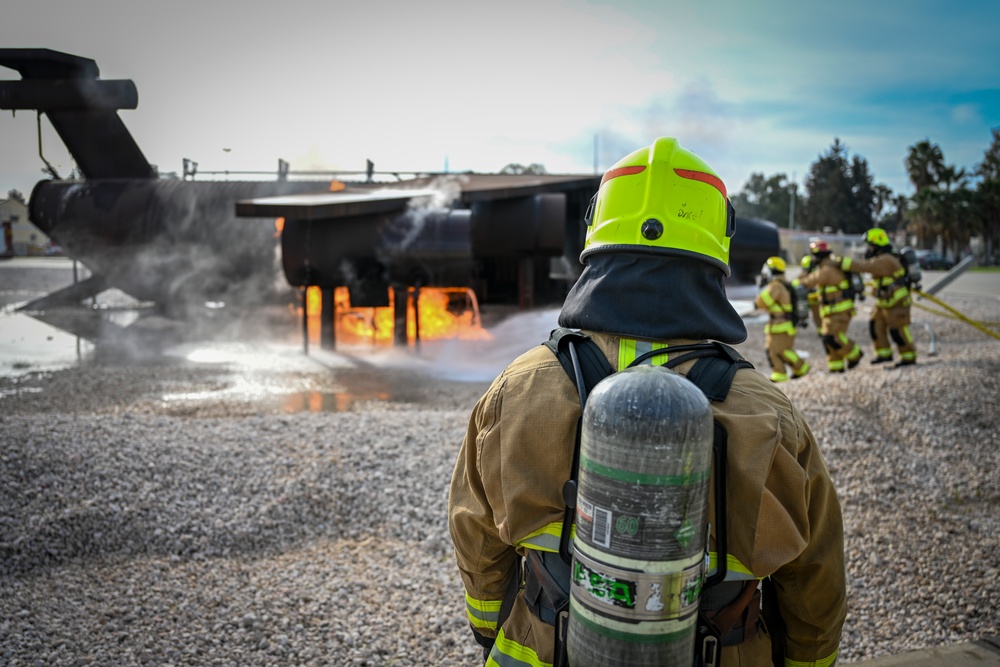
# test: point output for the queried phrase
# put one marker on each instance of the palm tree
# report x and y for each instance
(924, 163)
(988, 194)
(956, 199)
(883, 198)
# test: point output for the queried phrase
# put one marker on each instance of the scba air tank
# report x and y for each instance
(639, 549)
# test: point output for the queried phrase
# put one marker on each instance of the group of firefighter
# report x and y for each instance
(826, 278)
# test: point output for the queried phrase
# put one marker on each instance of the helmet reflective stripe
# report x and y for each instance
(622, 171)
(662, 199)
(711, 179)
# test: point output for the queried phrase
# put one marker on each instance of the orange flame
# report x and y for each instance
(314, 312)
(336, 186)
(446, 312)
(279, 225)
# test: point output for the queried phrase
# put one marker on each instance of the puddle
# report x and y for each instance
(28, 345)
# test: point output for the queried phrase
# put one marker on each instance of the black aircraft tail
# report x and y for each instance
(82, 107)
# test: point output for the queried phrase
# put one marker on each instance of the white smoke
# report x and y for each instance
(473, 360)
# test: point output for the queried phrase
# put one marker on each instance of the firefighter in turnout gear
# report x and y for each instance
(836, 307)
(891, 315)
(808, 264)
(776, 298)
(659, 226)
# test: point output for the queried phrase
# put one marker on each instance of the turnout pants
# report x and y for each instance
(781, 353)
(840, 349)
(892, 325)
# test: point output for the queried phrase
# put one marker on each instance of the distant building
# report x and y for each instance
(795, 243)
(23, 238)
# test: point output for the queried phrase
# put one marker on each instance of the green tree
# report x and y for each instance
(839, 192)
(924, 163)
(863, 196)
(893, 215)
(517, 168)
(768, 198)
(942, 204)
(986, 202)
(16, 195)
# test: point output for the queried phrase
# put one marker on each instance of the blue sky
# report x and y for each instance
(751, 86)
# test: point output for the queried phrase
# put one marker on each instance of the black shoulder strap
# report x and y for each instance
(589, 367)
(714, 373)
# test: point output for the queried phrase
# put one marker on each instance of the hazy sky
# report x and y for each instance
(759, 86)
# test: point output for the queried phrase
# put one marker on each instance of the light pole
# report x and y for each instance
(791, 202)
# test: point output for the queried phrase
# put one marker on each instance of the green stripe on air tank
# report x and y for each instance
(684, 479)
(635, 637)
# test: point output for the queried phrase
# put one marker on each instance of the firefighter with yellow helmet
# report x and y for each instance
(655, 258)
(779, 333)
(890, 319)
(836, 307)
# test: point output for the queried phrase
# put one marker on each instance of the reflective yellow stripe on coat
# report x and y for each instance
(508, 653)
(545, 539)
(482, 613)
(828, 661)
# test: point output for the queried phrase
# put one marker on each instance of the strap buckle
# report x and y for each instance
(561, 624)
(709, 652)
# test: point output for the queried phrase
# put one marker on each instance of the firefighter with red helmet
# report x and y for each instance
(890, 319)
(836, 307)
(809, 263)
(655, 259)
(779, 333)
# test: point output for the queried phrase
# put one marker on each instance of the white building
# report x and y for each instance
(23, 238)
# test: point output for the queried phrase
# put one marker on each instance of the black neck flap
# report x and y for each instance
(639, 295)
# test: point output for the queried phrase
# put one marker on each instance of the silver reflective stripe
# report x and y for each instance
(546, 539)
(630, 349)
(508, 653)
(487, 618)
(735, 570)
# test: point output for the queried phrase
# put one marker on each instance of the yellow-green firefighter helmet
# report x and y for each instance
(877, 237)
(662, 199)
(806, 263)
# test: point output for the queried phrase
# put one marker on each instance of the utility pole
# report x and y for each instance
(791, 203)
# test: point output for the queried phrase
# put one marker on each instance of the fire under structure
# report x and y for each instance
(490, 239)
(460, 240)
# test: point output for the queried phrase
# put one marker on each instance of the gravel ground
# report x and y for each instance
(173, 513)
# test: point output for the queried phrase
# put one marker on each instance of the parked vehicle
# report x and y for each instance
(930, 260)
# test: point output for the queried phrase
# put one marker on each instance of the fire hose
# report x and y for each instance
(955, 314)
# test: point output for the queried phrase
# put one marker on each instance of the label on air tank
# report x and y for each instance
(637, 595)
(600, 525)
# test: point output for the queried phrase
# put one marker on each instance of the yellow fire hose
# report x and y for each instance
(982, 326)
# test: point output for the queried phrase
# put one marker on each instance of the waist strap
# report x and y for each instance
(729, 612)
(544, 575)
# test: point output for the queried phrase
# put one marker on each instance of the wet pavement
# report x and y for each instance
(257, 357)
